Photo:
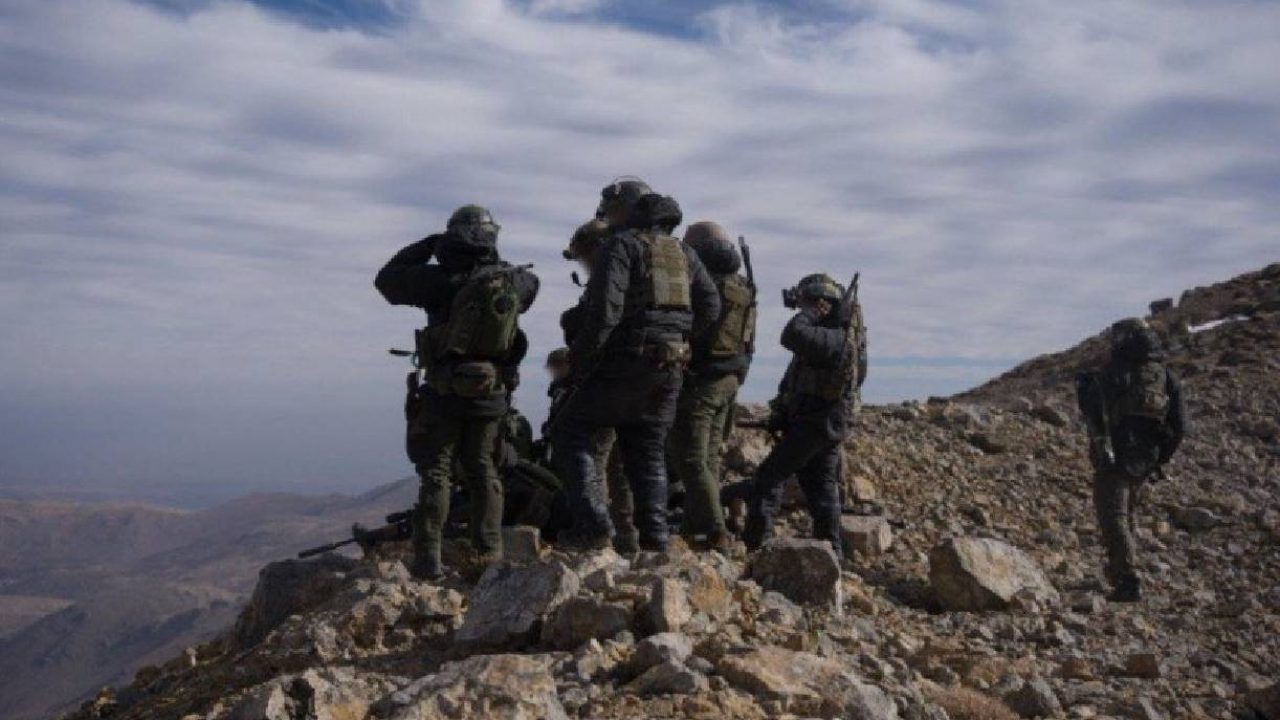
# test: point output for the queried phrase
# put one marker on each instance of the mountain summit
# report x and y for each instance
(971, 589)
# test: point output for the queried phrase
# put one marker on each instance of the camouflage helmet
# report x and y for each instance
(1134, 338)
(558, 357)
(586, 239)
(622, 193)
(473, 226)
(820, 286)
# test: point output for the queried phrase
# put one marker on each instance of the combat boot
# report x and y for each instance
(575, 542)
(1128, 590)
(426, 567)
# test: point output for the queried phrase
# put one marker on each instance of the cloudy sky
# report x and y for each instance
(195, 194)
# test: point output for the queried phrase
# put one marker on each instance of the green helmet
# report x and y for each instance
(622, 193)
(586, 239)
(471, 215)
(820, 286)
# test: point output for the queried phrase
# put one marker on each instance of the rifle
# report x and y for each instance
(399, 527)
(746, 263)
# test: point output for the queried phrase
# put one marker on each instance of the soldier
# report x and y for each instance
(1136, 419)
(583, 248)
(647, 295)
(717, 369)
(814, 410)
(468, 351)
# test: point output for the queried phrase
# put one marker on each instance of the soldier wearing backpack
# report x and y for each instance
(1136, 419)
(814, 410)
(646, 297)
(467, 354)
(719, 364)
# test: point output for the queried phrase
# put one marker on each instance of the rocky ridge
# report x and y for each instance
(970, 591)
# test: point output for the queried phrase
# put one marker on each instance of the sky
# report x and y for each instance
(196, 194)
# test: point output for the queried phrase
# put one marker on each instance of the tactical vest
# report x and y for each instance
(735, 331)
(667, 286)
(1141, 392)
(462, 353)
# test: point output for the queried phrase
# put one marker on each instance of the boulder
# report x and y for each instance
(1195, 519)
(868, 535)
(668, 678)
(483, 686)
(1035, 698)
(805, 684)
(580, 619)
(657, 649)
(291, 587)
(1265, 702)
(668, 607)
(805, 571)
(318, 693)
(1144, 665)
(510, 602)
(985, 574)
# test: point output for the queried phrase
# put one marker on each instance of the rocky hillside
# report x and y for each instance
(91, 592)
(970, 591)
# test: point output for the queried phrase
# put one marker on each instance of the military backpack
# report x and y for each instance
(734, 333)
(1141, 391)
(463, 352)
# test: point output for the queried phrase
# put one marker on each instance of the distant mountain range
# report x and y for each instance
(89, 592)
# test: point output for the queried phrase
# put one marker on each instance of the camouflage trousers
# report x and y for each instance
(434, 447)
(702, 416)
(621, 503)
(1115, 499)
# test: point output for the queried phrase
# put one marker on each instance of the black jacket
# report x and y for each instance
(821, 347)
(616, 316)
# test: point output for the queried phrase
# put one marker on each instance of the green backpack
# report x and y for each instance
(735, 331)
(483, 318)
(1142, 392)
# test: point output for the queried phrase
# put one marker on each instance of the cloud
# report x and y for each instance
(201, 198)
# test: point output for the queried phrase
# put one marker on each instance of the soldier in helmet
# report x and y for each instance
(467, 354)
(814, 410)
(583, 248)
(1134, 413)
(721, 357)
(646, 297)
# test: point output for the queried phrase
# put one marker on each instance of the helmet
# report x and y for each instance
(713, 246)
(586, 239)
(471, 215)
(559, 356)
(474, 225)
(1133, 338)
(820, 286)
(621, 193)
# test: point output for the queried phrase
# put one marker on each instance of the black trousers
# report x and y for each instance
(815, 459)
(637, 400)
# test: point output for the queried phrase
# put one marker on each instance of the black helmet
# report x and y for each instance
(1134, 339)
(621, 193)
(559, 356)
(586, 239)
(713, 246)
